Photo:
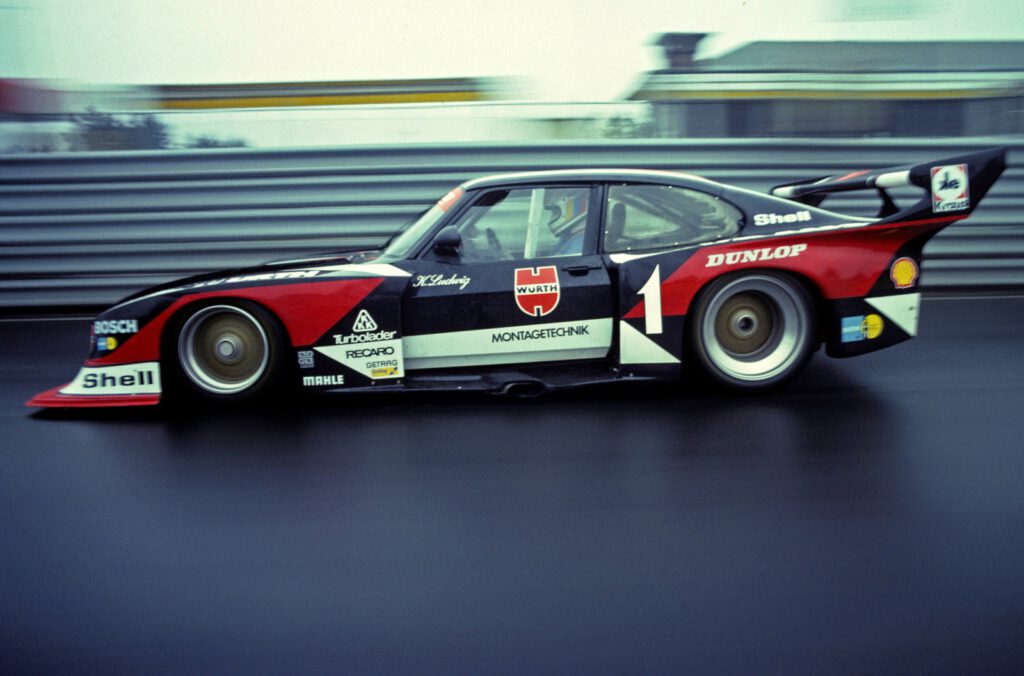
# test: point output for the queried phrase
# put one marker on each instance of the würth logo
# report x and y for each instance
(537, 290)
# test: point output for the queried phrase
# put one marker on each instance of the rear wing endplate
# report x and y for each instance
(954, 185)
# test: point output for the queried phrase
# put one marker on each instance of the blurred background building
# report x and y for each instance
(761, 89)
(837, 89)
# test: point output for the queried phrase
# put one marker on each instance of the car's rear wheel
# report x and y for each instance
(753, 331)
(228, 352)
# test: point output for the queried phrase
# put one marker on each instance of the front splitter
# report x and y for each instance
(54, 399)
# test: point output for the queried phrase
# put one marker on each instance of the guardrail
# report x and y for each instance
(85, 229)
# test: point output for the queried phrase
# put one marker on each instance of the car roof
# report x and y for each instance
(603, 175)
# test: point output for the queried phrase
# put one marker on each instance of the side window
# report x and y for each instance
(525, 223)
(660, 216)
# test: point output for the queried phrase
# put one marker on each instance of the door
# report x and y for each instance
(526, 285)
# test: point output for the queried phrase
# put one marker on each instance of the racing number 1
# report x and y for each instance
(651, 291)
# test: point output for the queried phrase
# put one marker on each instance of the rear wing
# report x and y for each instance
(953, 186)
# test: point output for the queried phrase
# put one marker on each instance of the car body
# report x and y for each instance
(537, 280)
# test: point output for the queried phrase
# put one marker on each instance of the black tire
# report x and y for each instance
(227, 351)
(753, 331)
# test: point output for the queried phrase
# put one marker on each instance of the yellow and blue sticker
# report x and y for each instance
(861, 327)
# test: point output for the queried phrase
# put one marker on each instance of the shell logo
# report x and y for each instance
(904, 273)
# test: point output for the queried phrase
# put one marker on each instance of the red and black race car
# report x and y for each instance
(530, 281)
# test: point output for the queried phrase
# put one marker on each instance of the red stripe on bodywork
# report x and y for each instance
(841, 263)
(307, 310)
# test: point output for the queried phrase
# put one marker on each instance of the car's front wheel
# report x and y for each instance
(228, 352)
(753, 331)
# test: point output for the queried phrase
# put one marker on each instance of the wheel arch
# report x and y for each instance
(821, 304)
(277, 339)
(817, 306)
(177, 317)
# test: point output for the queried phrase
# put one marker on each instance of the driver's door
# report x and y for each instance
(526, 285)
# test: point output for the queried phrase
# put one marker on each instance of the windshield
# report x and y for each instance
(404, 244)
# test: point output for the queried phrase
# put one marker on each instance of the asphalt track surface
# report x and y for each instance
(869, 518)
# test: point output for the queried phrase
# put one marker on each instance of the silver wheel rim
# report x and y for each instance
(223, 349)
(753, 328)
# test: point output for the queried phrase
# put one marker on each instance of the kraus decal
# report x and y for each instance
(537, 290)
(950, 188)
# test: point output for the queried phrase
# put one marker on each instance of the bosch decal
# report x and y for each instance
(755, 255)
(115, 326)
(950, 188)
(537, 290)
(904, 273)
(779, 219)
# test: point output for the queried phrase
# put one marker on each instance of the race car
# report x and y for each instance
(526, 282)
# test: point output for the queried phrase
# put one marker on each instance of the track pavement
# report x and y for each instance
(867, 518)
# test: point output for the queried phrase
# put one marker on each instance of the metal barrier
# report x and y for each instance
(85, 229)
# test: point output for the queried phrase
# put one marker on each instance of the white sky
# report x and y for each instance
(558, 51)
